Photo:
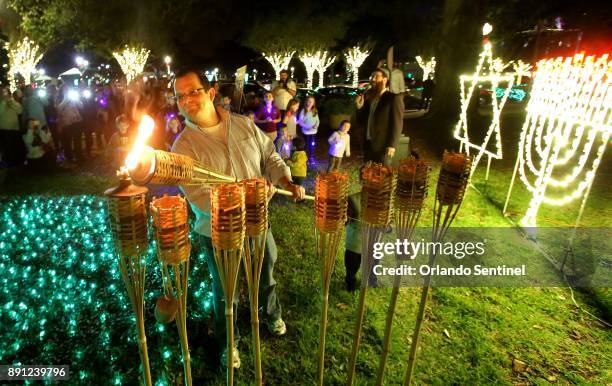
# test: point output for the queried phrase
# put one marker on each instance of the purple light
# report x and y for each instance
(312, 143)
(102, 101)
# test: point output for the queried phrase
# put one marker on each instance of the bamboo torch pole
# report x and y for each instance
(410, 196)
(228, 229)
(331, 204)
(378, 188)
(452, 183)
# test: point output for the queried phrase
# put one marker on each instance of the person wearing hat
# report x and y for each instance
(382, 114)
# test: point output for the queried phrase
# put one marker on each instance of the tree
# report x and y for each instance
(301, 30)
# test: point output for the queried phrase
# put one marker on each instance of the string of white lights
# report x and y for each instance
(132, 61)
(428, 66)
(355, 56)
(23, 57)
(278, 60)
(570, 97)
(490, 71)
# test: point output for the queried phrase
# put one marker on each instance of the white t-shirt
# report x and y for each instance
(281, 95)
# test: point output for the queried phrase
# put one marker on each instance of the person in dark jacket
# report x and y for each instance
(382, 117)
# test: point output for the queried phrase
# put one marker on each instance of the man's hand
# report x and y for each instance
(298, 191)
(390, 152)
(359, 101)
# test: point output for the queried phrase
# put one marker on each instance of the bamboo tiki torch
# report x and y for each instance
(331, 204)
(378, 188)
(162, 167)
(128, 221)
(228, 229)
(452, 183)
(256, 206)
(410, 196)
(171, 225)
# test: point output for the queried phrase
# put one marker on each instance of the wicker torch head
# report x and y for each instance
(454, 176)
(128, 217)
(331, 201)
(162, 167)
(228, 216)
(378, 188)
(256, 206)
(412, 184)
(171, 225)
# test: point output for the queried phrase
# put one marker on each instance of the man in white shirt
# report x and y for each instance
(284, 90)
(234, 146)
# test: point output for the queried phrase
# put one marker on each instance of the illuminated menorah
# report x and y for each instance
(568, 116)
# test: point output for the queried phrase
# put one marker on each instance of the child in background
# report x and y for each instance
(39, 145)
(288, 129)
(120, 143)
(226, 103)
(339, 145)
(298, 161)
(173, 129)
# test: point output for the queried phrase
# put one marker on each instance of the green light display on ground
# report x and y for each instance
(62, 300)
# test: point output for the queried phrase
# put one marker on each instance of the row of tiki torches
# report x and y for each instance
(239, 222)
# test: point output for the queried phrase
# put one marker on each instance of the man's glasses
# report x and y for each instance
(191, 94)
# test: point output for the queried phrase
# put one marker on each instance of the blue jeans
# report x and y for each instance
(269, 306)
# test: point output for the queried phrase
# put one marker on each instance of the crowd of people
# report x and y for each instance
(66, 125)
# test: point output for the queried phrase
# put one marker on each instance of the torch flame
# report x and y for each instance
(144, 132)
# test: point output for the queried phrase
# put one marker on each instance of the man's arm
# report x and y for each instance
(291, 88)
(274, 168)
(396, 123)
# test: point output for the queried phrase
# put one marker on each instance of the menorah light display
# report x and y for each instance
(331, 205)
(378, 189)
(412, 184)
(128, 221)
(489, 71)
(228, 216)
(450, 190)
(171, 225)
(567, 115)
(256, 222)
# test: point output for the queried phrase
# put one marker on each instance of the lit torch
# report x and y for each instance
(149, 166)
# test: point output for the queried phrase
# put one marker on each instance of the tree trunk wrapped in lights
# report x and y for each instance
(521, 69)
(450, 190)
(228, 216)
(410, 196)
(428, 66)
(278, 60)
(323, 64)
(256, 222)
(128, 222)
(310, 60)
(23, 57)
(132, 61)
(171, 225)
(355, 56)
(331, 204)
(378, 189)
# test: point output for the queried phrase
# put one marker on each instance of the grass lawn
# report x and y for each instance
(471, 336)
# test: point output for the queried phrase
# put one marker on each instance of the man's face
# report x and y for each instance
(191, 98)
(378, 80)
(283, 76)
